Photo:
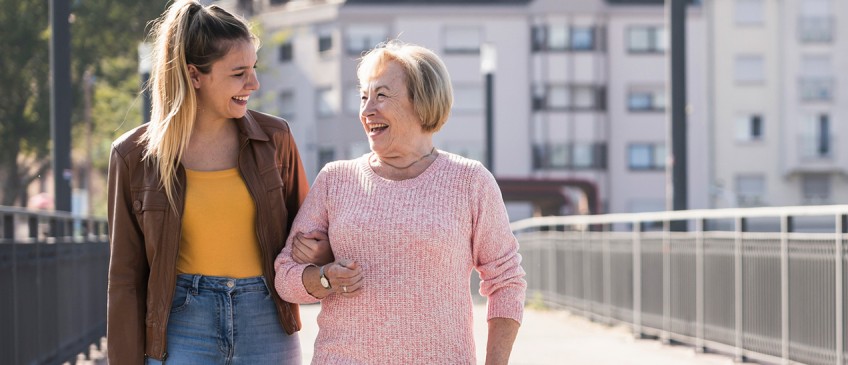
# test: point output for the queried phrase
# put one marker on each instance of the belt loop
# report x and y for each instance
(195, 283)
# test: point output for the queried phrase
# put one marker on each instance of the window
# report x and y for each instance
(326, 155)
(287, 105)
(646, 40)
(325, 38)
(582, 38)
(325, 103)
(749, 12)
(815, 189)
(817, 82)
(325, 43)
(360, 38)
(570, 155)
(646, 99)
(816, 137)
(749, 69)
(750, 190)
(646, 156)
(286, 52)
(816, 29)
(569, 97)
(749, 128)
(468, 99)
(538, 35)
(583, 155)
(462, 39)
(557, 38)
(560, 37)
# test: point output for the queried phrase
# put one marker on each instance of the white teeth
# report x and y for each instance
(377, 125)
(241, 98)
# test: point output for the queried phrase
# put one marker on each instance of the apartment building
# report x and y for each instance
(579, 91)
(778, 106)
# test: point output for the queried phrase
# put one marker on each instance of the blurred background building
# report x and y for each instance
(580, 94)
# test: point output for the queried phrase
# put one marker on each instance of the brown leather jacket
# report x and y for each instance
(145, 231)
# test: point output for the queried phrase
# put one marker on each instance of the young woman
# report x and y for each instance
(200, 202)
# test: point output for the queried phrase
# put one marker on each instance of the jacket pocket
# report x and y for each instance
(150, 207)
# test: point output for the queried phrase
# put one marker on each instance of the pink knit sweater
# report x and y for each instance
(417, 241)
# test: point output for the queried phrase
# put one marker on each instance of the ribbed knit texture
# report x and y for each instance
(417, 241)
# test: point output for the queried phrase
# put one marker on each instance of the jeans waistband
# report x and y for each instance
(222, 284)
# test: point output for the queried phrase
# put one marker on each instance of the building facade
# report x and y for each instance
(777, 101)
(579, 91)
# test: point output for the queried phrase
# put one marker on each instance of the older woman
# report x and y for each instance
(407, 223)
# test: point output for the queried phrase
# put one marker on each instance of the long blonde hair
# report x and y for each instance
(186, 33)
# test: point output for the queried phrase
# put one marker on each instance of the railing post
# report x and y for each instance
(666, 273)
(552, 267)
(785, 227)
(699, 285)
(605, 229)
(586, 266)
(738, 284)
(637, 278)
(15, 297)
(840, 321)
(9, 227)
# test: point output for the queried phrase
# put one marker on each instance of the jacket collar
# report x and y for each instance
(249, 127)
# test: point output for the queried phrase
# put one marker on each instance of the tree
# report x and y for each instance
(104, 33)
(24, 107)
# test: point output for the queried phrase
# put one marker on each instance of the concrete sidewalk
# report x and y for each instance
(545, 338)
(558, 338)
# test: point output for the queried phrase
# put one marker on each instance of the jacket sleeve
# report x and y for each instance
(313, 215)
(128, 270)
(294, 179)
(495, 250)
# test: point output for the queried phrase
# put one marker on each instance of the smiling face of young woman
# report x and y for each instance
(387, 114)
(224, 91)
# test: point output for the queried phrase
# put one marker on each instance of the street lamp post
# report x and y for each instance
(60, 102)
(488, 65)
(677, 171)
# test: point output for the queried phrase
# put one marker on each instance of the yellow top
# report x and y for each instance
(219, 233)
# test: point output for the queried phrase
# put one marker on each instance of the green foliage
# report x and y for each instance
(104, 38)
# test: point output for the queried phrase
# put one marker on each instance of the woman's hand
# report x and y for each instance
(312, 248)
(345, 277)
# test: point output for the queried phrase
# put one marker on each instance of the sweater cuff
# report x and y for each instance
(295, 291)
(506, 303)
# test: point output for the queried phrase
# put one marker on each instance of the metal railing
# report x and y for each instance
(53, 272)
(763, 284)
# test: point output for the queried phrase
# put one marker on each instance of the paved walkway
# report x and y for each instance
(545, 338)
(558, 338)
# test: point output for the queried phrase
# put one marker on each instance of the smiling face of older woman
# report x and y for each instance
(388, 116)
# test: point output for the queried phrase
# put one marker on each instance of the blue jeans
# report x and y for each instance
(218, 320)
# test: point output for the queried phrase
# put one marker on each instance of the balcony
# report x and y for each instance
(816, 29)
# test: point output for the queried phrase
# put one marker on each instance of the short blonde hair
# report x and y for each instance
(427, 80)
